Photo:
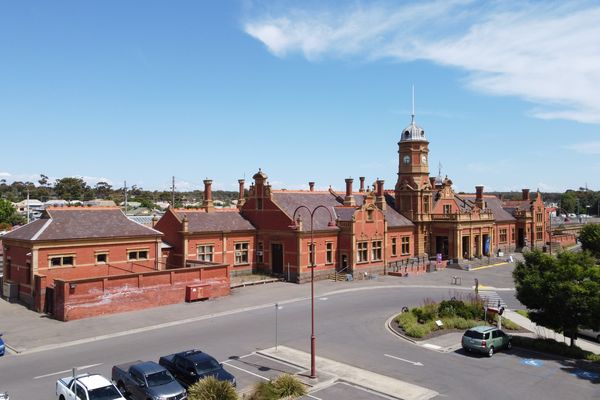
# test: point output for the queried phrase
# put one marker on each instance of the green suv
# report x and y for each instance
(485, 339)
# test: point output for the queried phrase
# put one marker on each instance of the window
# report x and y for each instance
(447, 208)
(28, 273)
(362, 253)
(393, 246)
(376, 250)
(538, 217)
(260, 258)
(259, 204)
(503, 236)
(205, 252)
(369, 215)
(137, 255)
(241, 253)
(406, 245)
(329, 246)
(539, 234)
(80, 392)
(426, 204)
(311, 259)
(101, 258)
(60, 261)
(512, 234)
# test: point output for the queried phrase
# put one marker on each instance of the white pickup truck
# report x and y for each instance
(87, 387)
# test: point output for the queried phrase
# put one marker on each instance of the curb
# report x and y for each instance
(388, 325)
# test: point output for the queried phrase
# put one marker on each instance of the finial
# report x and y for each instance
(413, 105)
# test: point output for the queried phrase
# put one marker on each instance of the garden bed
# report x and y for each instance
(419, 323)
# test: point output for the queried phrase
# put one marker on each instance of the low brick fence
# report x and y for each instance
(81, 298)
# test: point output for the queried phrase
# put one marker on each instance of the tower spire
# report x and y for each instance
(413, 105)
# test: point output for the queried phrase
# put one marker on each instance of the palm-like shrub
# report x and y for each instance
(210, 388)
(289, 386)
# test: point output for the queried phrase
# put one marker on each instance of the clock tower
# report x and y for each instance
(413, 192)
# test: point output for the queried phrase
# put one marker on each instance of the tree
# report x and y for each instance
(562, 293)
(71, 188)
(210, 388)
(568, 201)
(103, 190)
(9, 214)
(590, 239)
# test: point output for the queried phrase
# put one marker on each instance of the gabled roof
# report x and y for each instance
(289, 201)
(81, 223)
(494, 204)
(215, 221)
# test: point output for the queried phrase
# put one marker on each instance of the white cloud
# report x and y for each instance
(4, 174)
(545, 52)
(586, 148)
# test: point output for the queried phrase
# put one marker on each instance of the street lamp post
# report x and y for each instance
(313, 366)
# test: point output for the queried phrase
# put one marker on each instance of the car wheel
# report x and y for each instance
(121, 388)
(509, 345)
(491, 351)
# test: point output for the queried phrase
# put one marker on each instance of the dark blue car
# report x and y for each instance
(2, 346)
(192, 365)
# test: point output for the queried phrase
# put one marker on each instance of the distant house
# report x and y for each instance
(99, 203)
(56, 203)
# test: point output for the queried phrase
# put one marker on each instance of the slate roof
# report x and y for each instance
(81, 223)
(393, 217)
(494, 204)
(288, 201)
(215, 221)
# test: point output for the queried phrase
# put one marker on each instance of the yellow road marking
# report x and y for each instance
(488, 266)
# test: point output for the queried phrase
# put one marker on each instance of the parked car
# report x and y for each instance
(591, 333)
(486, 339)
(192, 365)
(87, 387)
(2, 346)
(147, 380)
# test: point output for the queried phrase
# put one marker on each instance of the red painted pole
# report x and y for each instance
(313, 366)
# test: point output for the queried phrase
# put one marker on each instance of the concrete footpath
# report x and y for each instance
(541, 332)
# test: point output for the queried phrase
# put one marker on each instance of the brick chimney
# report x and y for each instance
(479, 197)
(349, 199)
(154, 220)
(184, 224)
(526, 194)
(241, 199)
(362, 184)
(379, 196)
(432, 181)
(208, 202)
(311, 186)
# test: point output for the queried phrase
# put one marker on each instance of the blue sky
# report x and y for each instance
(307, 91)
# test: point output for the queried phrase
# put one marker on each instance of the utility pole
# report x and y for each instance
(27, 205)
(173, 193)
(125, 190)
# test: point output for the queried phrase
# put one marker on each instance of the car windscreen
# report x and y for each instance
(474, 334)
(159, 378)
(207, 365)
(104, 393)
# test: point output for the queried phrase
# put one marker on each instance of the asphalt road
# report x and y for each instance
(350, 328)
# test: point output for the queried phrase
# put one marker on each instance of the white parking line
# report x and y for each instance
(246, 371)
(66, 371)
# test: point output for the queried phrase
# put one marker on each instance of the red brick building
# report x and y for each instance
(81, 261)
(197, 236)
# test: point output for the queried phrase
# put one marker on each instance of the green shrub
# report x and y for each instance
(284, 386)
(406, 319)
(417, 330)
(524, 313)
(212, 389)
(508, 324)
(288, 385)
(425, 313)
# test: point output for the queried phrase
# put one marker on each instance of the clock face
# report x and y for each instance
(406, 159)
(424, 159)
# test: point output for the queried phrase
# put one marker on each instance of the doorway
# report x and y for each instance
(465, 247)
(441, 246)
(277, 258)
(521, 238)
(49, 301)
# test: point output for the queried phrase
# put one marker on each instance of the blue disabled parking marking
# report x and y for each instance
(532, 362)
(592, 376)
